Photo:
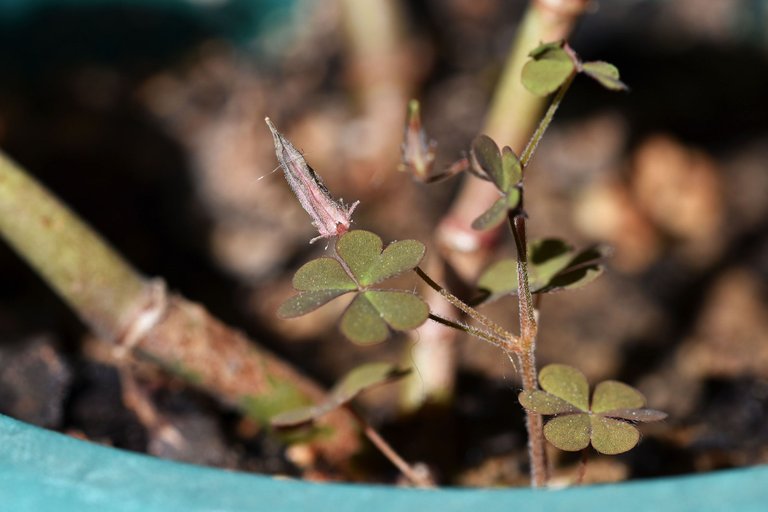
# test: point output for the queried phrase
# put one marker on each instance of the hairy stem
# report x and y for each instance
(533, 143)
(528, 332)
(511, 341)
(472, 331)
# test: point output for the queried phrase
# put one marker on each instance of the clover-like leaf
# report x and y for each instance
(552, 266)
(503, 168)
(604, 422)
(584, 268)
(549, 67)
(350, 386)
(368, 319)
(606, 74)
(361, 263)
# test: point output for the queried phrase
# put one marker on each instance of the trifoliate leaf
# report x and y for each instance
(606, 74)
(549, 67)
(575, 425)
(566, 382)
(551, 267)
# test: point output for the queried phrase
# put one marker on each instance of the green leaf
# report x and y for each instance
(549, 68)
(397, 258)
(640, 415)
(611, 395)
(511, 166)
(499, 279)
(576, 278)
(606, 74)
(355, 382)
(611, 436)
(362, 324)
(486, 154)
(401, 310)
(365, 377)
(544, 403)
(306, 302)
(368, 318)
(545, 47)
(323, 274)
(546, 258)
(359, 249)
(566, 382)
(584, 268)
(570, 432)
(362, 252)
(503, 168)
(493, 216)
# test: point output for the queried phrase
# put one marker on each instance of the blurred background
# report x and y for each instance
(147, 118)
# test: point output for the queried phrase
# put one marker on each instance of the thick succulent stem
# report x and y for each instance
(138, 316)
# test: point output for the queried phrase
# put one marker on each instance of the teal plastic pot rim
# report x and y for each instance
(42, 470)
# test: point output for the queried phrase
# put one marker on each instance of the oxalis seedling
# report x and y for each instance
(358, 263)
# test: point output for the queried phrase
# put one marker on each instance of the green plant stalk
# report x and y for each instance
(472, 331)
(527, 307)
(528, 330)
(549, 115)
(511, 341)
(94, 280)
(512, 116)
(137, 316)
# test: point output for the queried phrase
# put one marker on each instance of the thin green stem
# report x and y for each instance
(533, 143)
(512, 341)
